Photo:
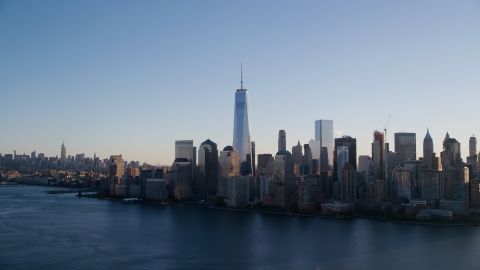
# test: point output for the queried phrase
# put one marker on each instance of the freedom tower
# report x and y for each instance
(241, 125)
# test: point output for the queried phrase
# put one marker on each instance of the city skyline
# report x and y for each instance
(131, 80)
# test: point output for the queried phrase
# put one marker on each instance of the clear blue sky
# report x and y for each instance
(131, 77)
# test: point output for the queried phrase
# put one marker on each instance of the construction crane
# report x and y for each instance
(385, 128)
(385, 149)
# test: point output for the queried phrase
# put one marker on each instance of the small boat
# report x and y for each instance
(131, 200)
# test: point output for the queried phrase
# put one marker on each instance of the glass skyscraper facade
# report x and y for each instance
(324, 135)
(241, 125)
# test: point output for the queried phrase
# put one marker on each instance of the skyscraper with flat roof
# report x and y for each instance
(241, 124)
(324, 135)
(472, 146)
(185, 149)
(406, 145)
(282, 140)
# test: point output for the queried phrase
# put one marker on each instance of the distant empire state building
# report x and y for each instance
(241, 125)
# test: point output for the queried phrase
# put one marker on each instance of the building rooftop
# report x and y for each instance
(283, 152)
(182, 160)
(209, 142)
(228, 148)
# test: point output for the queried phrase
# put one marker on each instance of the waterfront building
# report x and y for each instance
(208, 166)
(406, 145)
(428, 150)
(156, 189)
(402, 180)
(282, 140)
(144, 175)
(241, 125)
(324, 135)
(185, 149)
(238, 190)
(303, 196)
(181, 178)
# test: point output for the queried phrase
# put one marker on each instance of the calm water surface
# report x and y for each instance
(43, 231)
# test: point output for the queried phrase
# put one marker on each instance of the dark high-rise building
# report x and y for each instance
(263, 160)
(208, 166)
(378, 156)
(297, 159)
(253, 159)
(282, 140)
(351, 144)
(428, 150)
(8, 161)
(406, 145)
(307, 160)
(181, 178)
(451, 152)
(63, 155)
(144, 175)
(472, 146)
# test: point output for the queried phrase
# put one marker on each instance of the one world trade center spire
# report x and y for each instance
(241, 124)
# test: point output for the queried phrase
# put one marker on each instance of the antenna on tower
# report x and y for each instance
(241, 76)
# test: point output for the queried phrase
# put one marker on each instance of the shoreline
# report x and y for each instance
(190, 203)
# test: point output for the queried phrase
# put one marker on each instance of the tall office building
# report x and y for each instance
(282, 140)
(241, 124)
(33, 155)
(229, 167)
(208, 166)
(306, 168)
(63, 155)
(428, 150)
(472, 146)
(117, 161)
(254, 167)
(185, 149)
(297, 159)
(406, 145)
(324, 135)
(378, 155)
(341, 158)
(351, 144)
(451, 152)
(263, 160)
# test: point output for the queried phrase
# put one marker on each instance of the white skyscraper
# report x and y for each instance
(241, 125)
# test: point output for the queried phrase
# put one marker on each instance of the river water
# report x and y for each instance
(43, 231)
